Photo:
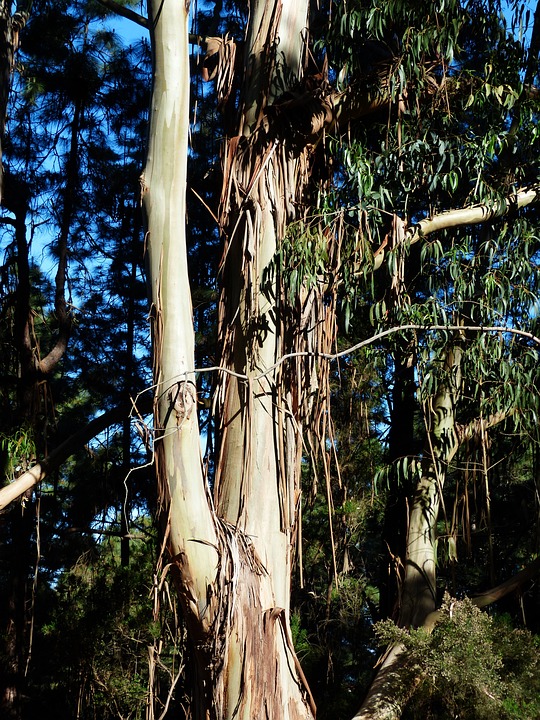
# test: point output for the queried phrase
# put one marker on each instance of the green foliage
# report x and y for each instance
(302, 258)
(98, 624)
(457, 125)
(471, 666)
(17, 454)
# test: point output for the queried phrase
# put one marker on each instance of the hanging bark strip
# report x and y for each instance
(262, 194)
(10, 28)
(232, 567)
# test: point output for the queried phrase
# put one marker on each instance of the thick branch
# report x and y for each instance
(62, 453)
(396, 680)
(126, 12)
(389, 694)
(514, 583)
(475, 427)
(473, 215)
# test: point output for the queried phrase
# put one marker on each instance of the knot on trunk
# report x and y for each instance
(182, 398)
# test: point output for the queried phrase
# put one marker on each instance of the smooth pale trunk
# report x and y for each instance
(419, 594)
(177, 446)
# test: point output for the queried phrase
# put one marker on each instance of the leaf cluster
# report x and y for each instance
(470, 666)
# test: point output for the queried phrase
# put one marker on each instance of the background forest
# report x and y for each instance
(418, 241)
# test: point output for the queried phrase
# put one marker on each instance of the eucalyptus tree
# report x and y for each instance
(454, 268)
(446, 126)
(232, 544)
(234, 562)
(357, 136)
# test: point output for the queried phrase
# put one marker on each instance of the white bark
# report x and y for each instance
(27, 480)
(472, 215)
(388, 694)
(419, 587)
(192, 533)
(475, 214)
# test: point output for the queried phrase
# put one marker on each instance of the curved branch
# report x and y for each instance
(514, 583)
(58, 456)
(475, 214)
(380, 336)
(472, 215)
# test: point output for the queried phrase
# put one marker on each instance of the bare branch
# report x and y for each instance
(473, 215)
(514, 583)
(474, 428)
(391, 331)
(126, 13)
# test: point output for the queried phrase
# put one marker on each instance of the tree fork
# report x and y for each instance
(225, 575)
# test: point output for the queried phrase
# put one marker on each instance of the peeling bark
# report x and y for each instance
(232, 562)
(10, 27)
(264, 182)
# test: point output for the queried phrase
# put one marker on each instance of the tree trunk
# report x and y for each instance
(400, 445)
(395, 680)
(233, 563)
(10, 27)
(419, 595)
(263, 180)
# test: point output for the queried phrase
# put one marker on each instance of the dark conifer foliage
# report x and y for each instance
(73, 304)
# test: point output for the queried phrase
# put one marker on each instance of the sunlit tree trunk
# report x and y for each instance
(233, 563)
(263, 183)
(419, 594)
